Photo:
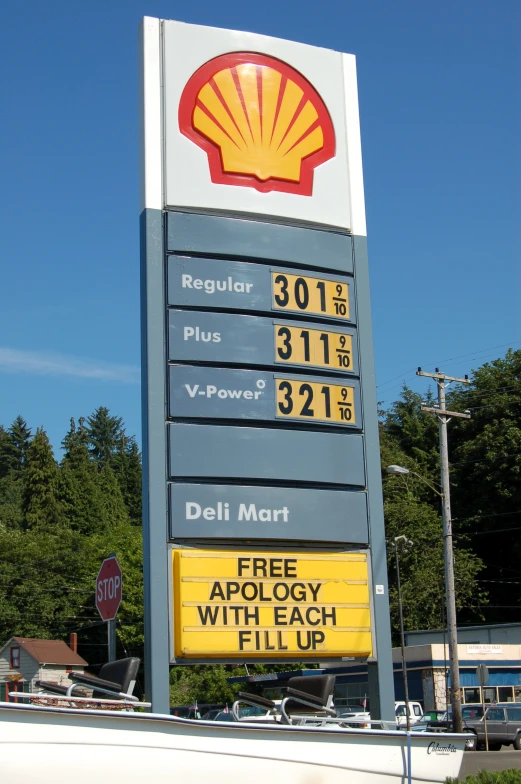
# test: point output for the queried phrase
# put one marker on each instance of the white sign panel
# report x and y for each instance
(484, 649)
(260, 125)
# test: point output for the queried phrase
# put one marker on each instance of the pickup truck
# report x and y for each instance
(415, 713)
(503, 726)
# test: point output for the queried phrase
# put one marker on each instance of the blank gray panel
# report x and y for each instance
(212, 235)
(212, 511)
(265, 453)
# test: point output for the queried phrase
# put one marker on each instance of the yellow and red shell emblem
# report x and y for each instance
(261, 123)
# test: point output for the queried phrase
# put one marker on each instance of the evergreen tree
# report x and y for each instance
(413, 509)
(80, 491)
(7, 457)
(13, 451)
(485, 455)
(40, 503)
(126, 463)
(10, 502)
(105, 433)
(114, 509)
(20, 437)
(414, 431)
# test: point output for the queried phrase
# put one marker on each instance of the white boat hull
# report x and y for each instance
(37, 743)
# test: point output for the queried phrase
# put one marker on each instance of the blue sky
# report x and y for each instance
(440, 117)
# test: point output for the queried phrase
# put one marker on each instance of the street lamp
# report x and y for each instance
(449, 590)
(401, 470)
(405, 542)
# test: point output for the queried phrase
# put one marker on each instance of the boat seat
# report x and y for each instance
(256, 700)
(55, 688)
(304, 696)
(305, 692)
(116, 679)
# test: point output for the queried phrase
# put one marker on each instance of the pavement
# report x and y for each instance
(490, 760)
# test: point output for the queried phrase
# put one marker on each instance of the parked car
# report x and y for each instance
(211, 714)
(355, 715)
(224, 715)
(249, 713)
(430, 718)
(503, 726)
(440, 721)
(440, 718)
(415, 713)
(185, 712)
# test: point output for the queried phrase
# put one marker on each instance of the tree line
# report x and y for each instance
(485, 476)
(59, 519)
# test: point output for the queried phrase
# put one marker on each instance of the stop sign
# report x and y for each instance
(108, 589)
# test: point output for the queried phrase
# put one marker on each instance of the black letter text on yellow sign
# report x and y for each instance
(229, 604)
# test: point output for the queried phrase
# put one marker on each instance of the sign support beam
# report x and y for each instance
(155, 566)
(380, 673)
(153, 363)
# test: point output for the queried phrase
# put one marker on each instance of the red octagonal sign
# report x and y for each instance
(108, 589)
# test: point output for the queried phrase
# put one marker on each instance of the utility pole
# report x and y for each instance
(407, 542)
(444, 417)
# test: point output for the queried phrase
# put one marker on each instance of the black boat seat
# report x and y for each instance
(305, 692)
(255, 699)
(116, 679)
(304, 696)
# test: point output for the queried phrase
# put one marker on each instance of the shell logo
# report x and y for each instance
(261, 123)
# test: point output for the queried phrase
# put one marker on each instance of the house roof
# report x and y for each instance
(50, 651)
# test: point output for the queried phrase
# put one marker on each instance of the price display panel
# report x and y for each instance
(232, 339)
(315, 401)
(300, 345)
(308, 295)
(227, 393)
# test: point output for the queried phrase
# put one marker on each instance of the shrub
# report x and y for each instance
(510, 776)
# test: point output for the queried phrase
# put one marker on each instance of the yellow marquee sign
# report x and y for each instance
(230, 604)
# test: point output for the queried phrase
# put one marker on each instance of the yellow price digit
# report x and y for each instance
(315, 401)
(304, 294)
(316, 347)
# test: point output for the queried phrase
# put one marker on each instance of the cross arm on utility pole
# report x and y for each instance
(439, 412)
(442, 376)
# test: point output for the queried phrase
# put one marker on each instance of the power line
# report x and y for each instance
(450, 359)
(485, 459)
(487, 392)
(491, 606)
(479, 517)
(506, 568)
(483, 394)
(494, 405)
(495, 531)
(48, 590)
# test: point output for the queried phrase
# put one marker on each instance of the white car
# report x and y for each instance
(355, 715)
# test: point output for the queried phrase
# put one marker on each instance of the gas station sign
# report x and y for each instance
(284, 604)
(259, 400)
